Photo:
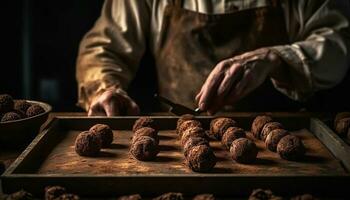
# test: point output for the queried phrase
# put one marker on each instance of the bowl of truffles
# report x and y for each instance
(20, 120)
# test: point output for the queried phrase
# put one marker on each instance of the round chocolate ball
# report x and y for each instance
(22, 105)
(274, 137)
(144, 148)
(68, 197)
(204, 197)
(258, 124)
(201, 158)
(10, 116)
(52, 192)
(243, 150)
(192, 132)
(232, 134)
(194, 141)
(218, 126)
(188, 124)
(182, 119)
(146, 131)
(268, 127)
(104, 132)
(170, 196)
(260, 194)
(88, 144)
(304, 197)
(144, 122)
(20, 195)
(6, 103)
(34, 110)
(291, 147)
(342, 126)
(130, 197)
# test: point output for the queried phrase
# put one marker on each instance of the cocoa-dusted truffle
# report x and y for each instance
(104, 132)
(10, 116)
(146, 131)
(188, 124)
(182, 119)
(170, 196)
(201, 158)
(274, 137)
(243, 150)
(340, 116)
(260, 194)
(231, 134)
(20, 195)
(192, 132)
(194, 141)
(88, 144)
(268, 127)
(68, 197)
(258, 124)
(304, 197)
(130, 197)
(204, 197)
(22, 105)
(218, 126)
(52, 192)
(291, 147)
(144, 122)
(6, 103)
(342, 126)
(34, 110)
(144, 148)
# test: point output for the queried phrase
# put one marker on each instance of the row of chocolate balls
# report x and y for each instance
(11, 110)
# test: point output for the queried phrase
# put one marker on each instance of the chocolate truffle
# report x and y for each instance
(144, 122)
(260, 194)
(304, 197)
(274, 137)
(34, 110)
(194, 141)
(201, 158)
(182, 119)
(342, 126)
(10, 116)
(192, 132)
(88, 144)
(231, 134)
(52, 192)
(204, 197)
(340, 116)
(20, 195)
(291, 147)
(22, 105)
(6, 103)
(188, 124)
(2, 167)
(146, 131)
(104, 132)
(268, 127)
(170, 196)
(130, 197)
(258, 124)
(243, 150)
(68, 197)
(218, 126)
(144, 148)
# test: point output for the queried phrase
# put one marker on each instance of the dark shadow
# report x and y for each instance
(263, 161)
(312, 159)
(167, 148)
(217, 148)
(118, 146)
(107, 154)
(165, 137)
(261, 148)
(221, 170)
(165, 159)
(222, 158)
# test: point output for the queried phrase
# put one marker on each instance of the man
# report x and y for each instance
(213, 54)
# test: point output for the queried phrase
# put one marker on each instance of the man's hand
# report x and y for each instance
(234, 78)
(113, 102)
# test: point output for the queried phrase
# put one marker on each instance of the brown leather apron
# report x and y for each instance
(192, 43)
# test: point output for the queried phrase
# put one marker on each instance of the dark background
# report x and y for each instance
(39, 42)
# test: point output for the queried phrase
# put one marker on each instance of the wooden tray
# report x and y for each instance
(51, 160)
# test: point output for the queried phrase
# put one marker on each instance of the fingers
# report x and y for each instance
(133, 108)
(111, 108)
(96, 110)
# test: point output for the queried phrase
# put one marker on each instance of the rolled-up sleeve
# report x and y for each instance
(317, 56)
(110, 52)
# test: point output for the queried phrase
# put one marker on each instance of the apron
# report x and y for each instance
(192, 43)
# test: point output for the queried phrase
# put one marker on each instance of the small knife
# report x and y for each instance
(177, 109)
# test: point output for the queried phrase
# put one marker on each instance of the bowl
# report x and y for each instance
(19, 133)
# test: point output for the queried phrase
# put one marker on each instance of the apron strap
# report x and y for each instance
(178, 3)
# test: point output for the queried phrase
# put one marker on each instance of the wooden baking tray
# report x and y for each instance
(51, 160)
